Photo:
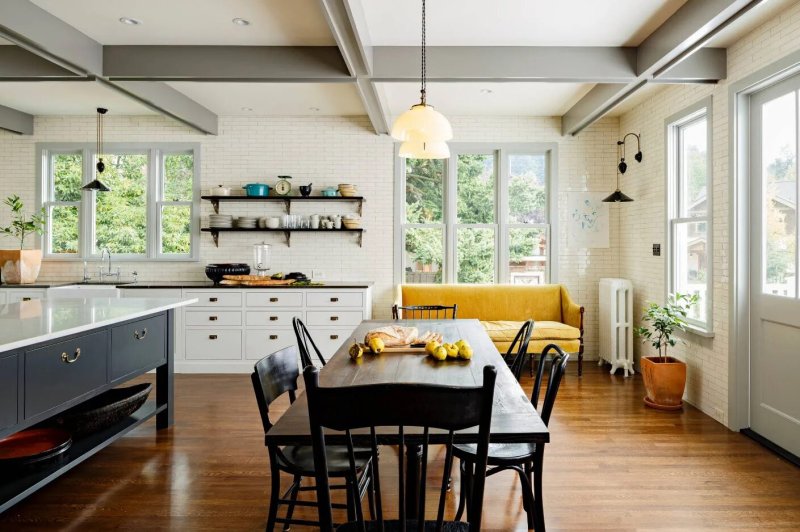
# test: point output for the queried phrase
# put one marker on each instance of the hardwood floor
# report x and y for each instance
(612, 465)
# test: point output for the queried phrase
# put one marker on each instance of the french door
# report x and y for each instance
(774, 301)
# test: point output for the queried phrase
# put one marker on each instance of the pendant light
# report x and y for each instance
(424, 132)
(96, 184)
(622, 166)
(618, 196)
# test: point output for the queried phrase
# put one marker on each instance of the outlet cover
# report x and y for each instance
(317, 274)
(656, 250)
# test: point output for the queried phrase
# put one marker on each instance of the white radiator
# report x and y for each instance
(616, 324)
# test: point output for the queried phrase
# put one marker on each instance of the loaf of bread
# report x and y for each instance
(392, 335)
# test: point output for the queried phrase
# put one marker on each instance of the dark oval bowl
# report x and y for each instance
(216, 271)
(305, 190)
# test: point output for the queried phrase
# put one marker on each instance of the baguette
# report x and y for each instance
(392, 335)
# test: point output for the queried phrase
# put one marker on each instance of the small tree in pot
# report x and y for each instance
(21, 266)
(665, 376)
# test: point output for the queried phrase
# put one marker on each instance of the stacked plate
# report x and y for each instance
(247, 222)
(348, 190)
(220, 221)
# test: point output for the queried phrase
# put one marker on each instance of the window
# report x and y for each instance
(481, 216)
(149, 214)
(689, 209)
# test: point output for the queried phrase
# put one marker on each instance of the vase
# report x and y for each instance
(665, 381)
(20, 266)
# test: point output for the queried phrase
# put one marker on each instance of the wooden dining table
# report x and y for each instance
(514, 420)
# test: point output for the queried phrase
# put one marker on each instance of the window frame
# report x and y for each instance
(501, 225)
(86, 205)
(690, 115)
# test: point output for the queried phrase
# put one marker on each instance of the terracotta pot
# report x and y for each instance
(664, 380)
(20, 266)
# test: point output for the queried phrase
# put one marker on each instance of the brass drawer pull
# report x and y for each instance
(213, 299)
(26, 299)
(334, 337)
(140, 335)
(334, 318)
(273, 336)
(273, 300)
(213, 318)
(334, 300)
(65, 358)
(273, 318)
(212, 336)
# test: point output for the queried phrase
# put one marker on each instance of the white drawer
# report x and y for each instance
(333, 318)
(213, 344)
(16, 295)
(213, 318)
(334, 299)
(330, 339)
(274, 298)
(215, 298)
(277, 318)
(150, 292)
(3, 298)
(258, 343)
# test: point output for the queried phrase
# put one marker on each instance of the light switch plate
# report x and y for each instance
(656, 250)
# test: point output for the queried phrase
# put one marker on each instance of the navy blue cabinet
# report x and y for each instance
(138, 345)
(8, 390)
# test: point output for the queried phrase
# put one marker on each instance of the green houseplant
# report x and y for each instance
(664, 376)
(21, 266)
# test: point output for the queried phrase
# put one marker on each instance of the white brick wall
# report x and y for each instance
(643, 222)
(326, 151)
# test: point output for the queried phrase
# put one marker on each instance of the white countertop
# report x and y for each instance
(31, 322)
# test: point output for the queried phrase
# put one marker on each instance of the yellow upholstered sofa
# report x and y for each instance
(503, 308)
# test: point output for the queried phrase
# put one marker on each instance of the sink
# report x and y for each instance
(83, 290)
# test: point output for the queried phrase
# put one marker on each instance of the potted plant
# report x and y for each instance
(21, 266)
(664, 376)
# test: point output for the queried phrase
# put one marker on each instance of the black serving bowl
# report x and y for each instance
(216, 271)
(305, 190)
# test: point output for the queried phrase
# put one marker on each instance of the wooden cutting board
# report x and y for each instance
(398, 349)
(254, 280)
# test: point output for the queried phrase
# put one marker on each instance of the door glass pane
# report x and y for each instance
(475, 249)
(176, 229)
(693, 169)
(527, 189)
(779, 196)
(121, 214)
(64, 229)
(475, 189)
(67, 174)
(691, 264)
(178, 177)
(424, 190)
(424, 254)
(527, 255)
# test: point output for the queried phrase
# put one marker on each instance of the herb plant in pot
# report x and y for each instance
(664, 376)
(21, 266)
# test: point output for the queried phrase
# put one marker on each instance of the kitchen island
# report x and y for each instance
(56, 354)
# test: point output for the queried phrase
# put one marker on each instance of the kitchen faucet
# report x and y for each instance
(109, 273)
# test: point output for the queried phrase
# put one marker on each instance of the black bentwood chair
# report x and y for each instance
(515, 360)
(273, 376)
(426, 407)
(526, 459)
(424, 312)
(304, 340)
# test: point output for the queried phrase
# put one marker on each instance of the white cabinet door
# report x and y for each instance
(15, 295)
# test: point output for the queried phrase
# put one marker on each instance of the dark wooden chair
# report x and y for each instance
(304, 341)
(275, 375)
(424, 312)
(515, 359)
(397, 405)
(526, 459)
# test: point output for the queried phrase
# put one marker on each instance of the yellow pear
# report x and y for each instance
(376, 345)
(465, 352)
(356, 351)
(431, 346)
(452, 350)
(440, 353)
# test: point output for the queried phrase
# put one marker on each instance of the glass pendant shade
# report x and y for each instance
(415, 149)
(422, 123)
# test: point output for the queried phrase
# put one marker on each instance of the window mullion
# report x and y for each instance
(501, 217)
(451, 237)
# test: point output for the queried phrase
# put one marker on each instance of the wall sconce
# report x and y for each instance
(622, 166)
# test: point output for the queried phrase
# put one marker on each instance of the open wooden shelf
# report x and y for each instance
(215, 231)
(287, 200)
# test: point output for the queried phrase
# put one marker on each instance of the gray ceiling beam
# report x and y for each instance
(37, 31)
(346, 22)
(225, 63)
(16, 62)
(675, 41)
(165, 100)
(16, 121)
(507, 63)
(706, 65)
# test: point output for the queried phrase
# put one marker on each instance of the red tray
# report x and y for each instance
(33, 446)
